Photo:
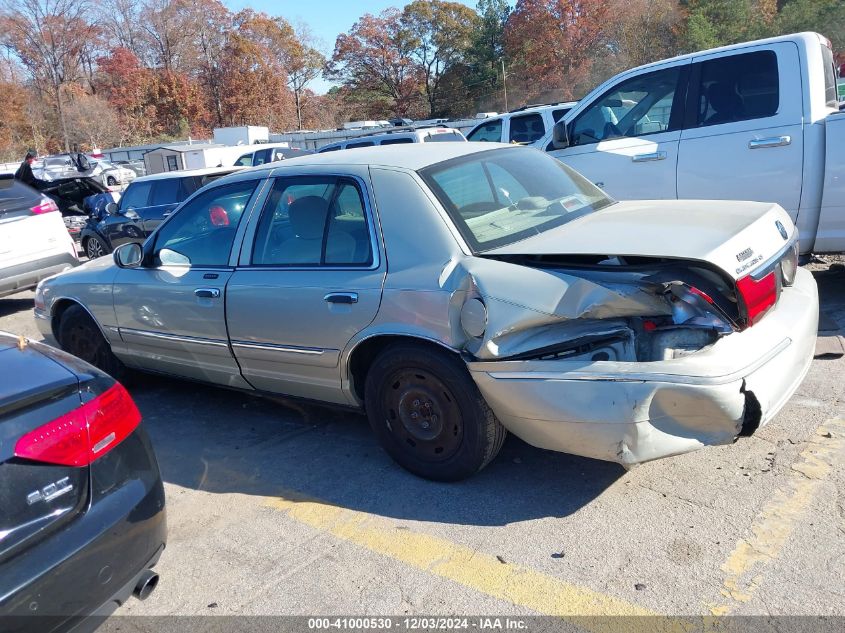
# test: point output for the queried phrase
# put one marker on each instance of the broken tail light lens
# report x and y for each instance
(81, 436)
(757, 295)
(45, 206)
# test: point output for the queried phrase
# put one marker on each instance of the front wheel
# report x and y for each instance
(94, 248)
(79, 335)
(429, 415)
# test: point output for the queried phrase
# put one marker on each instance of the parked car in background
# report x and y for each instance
(398, 136)
(518, 296)
(268, 154)
(524, 125)
(753, 121)
(34, 242)
(73, 196)
(112, 174)
(142, 207)
(135, 165)
(83, 518)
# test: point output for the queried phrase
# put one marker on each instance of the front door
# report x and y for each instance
(626, 141)
(171, 312)
(310, 279)
(743, 137)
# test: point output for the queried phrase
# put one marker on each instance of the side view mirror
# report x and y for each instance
(112, 208)
(560, 135)
(129, 255)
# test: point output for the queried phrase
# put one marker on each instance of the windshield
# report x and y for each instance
(505, 195)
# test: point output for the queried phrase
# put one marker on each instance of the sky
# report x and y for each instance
(325, 18)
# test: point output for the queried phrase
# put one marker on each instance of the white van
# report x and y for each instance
(34, 242)
(398, 136)
(524, 125)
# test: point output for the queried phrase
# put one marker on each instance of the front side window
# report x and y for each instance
(638, 106)
(244, 161)
(363, 144)
(505, 195)
(396, 141)
(738, 88)
(313, 221)
(137, 195)
(490, 132)
(201, 233)
(558, 114)
(526, 128)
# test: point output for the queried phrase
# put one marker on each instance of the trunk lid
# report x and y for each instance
(737, 237)
(35, 497)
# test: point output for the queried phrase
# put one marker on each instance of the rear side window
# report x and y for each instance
(490, 132)
(330, 148)
(364, 144)
(165, 191)
(443, 137)
(526, 128)
(831, 97)
(396, 141)
(137, 195)
(738, 88)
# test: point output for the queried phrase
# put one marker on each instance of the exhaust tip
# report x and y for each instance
(147, 583)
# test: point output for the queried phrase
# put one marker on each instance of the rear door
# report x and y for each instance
(309, 279)
(743, 136)
(35, 497)
(165, 196)
(526, 128)
(171, 311)
(626, 140)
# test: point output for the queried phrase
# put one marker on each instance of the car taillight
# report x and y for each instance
(789, 265)
(757, 295)
(79, 437)
(46, 206)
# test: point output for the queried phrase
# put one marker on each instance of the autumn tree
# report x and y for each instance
(553, 44)
(51, 38)
(375, 57)
(303, 63)
(440, 36)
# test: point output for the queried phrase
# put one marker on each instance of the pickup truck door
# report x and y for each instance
(743, 135)
(171, 311)
(626, 140)
(309, 280)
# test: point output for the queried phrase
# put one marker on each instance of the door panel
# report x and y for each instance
(743, 137)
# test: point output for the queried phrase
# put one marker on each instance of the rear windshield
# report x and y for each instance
(441, 137)
(502, 196)
(15, 195)
(831, 96)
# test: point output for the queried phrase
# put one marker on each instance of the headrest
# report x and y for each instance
(308, 217)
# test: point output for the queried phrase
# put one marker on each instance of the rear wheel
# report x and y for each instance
(428, 414)
(94, 248)
(79, 335)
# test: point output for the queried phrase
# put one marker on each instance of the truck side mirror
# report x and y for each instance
(560, 135)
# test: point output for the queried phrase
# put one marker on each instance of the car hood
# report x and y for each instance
(716, 231)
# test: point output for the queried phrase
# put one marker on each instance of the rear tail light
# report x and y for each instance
(79, 437)
(789, 265)
(45, 206)
(757, 296)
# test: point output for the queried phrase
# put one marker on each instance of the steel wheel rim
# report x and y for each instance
(94, 248)
(422, 415)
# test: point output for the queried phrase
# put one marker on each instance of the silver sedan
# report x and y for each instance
(455, 291)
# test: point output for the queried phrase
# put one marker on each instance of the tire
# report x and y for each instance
(111, 181)
(429, 415)
(80, 336)
(95, 248)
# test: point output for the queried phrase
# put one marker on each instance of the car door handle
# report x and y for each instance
(341, 297)
(207, 293)
(647, 158)
(775, 141)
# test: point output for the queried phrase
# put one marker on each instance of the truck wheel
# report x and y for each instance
(428, 414)
(80, 336)
(94, 248)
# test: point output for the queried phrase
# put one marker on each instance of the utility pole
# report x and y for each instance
(505, 84)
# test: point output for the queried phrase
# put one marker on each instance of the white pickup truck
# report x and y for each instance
(754, 121)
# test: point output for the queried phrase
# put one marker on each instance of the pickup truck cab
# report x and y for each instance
(754, 121)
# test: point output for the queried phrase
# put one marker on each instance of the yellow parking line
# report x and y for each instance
(481, 572)
(774, 524)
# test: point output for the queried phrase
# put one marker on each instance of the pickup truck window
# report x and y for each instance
(526, 128)
(738, 88)
(490, 132)
(831, 96)
(639, 106)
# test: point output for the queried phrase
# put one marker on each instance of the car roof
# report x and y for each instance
(409, 156)
(207, 171)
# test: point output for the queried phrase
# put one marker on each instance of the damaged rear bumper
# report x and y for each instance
(630, 412)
